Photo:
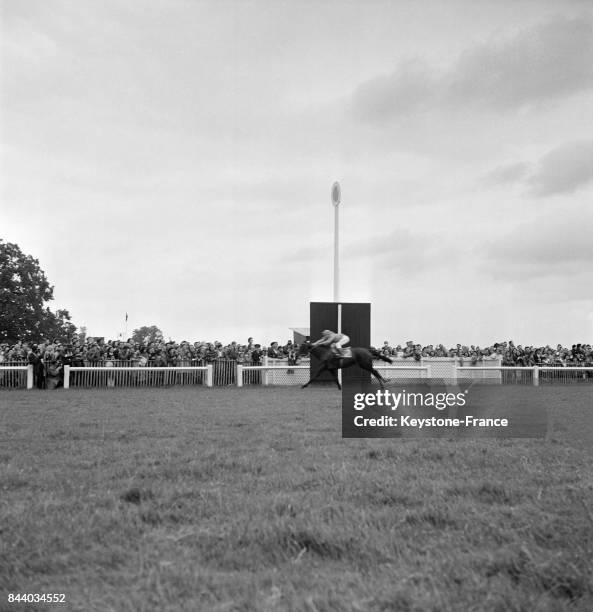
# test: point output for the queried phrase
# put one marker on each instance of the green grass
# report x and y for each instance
(228, 499)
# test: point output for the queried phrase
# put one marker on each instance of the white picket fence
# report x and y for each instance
(267, 375)
(110, 376)
(279, 373)
(16, 376)
(526, 375)
(399, 372)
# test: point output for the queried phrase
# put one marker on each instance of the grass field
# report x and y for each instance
(248, 499)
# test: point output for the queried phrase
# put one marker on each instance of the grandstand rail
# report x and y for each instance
(270, 372)
(403, 372)
(574, 374)
(527, 375)
(16, 377)
(148, 376)
(267, 375)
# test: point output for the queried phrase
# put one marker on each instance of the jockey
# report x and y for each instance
(332, 339)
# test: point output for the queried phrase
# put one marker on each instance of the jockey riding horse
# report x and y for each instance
(335, 341)
(329, 351)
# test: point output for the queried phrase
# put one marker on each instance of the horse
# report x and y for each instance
(330, 362)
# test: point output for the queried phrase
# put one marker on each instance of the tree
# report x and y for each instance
(145, 334)
(24, 290)
(57, 326)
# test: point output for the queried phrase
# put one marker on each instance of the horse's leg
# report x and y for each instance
(320, 369)
(368, 366)
(334, 373)
(378, 377)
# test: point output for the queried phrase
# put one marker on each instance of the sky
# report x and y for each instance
(173, 160)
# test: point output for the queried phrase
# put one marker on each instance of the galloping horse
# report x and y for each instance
(331, 363)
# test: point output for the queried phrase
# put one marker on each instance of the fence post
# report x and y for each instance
(535, 376)
(265, 379)
(454, 368)
(239, 375)
(209, 374)
(66, 377)
(428, 371)
(30, 376)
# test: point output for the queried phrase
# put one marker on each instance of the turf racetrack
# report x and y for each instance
(248, 499)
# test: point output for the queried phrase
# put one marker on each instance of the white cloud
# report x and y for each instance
(538, 64)
(506, 174)
(535, 65)
(550, 246)
(563, 170)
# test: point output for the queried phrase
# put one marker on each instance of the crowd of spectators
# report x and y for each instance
(49, 358)
(508, 352)
(169, 353)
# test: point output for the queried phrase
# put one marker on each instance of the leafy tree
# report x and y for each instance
(24, 290)
(57, 326)
(146, 334)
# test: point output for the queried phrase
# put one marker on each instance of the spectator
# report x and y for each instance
(256, 355)
(35, 360)
(409, 350)
(274, 351)
(232, 351)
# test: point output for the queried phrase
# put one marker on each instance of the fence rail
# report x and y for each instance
(565, 375)
(16, 377)
(527, 375)
(88, 377)
(222, 372)
(272, 375)
(399, 372)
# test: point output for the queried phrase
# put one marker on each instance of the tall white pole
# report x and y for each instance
(337, 254)
(336, 197)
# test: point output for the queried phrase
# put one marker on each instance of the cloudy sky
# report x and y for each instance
(173, 160)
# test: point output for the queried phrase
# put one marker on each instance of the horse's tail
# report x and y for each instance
(377, 355)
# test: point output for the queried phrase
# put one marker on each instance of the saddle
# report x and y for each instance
(344, 353)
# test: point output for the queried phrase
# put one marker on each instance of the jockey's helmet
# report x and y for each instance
(327, 332)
